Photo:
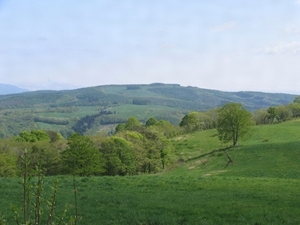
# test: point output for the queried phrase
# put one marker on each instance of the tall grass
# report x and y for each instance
(185, 200)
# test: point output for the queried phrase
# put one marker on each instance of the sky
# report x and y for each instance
(245, 45)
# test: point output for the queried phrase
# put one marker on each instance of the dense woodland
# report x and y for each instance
(133, 148)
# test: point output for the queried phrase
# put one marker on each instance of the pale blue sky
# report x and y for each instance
(225, 45)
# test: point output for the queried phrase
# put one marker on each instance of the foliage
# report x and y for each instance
(283, 113)
(136, 148)
(233, 122)
(275, 114)
(166, 128)
(295, 109)
(272, 114)
(54, 136)
(151, 146)
(120, 127)
(132, 123)
(8, 165)
(84, 123)
(137, 141)
(82, 157)
(118, 155)
(43, 153)
(195, 121)
(261, 116)
(151, 122)
(102, 118)
(159, 149)
(46, 157)
(190, 122)
(33, 136)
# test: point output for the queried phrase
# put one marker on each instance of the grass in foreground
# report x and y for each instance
(260, 186)
(175, 199)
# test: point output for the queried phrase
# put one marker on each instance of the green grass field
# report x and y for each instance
(260, 186)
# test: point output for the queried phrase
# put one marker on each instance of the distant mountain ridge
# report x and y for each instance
(6, 89)
(99, 109)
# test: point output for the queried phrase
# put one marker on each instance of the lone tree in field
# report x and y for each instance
(234, 122)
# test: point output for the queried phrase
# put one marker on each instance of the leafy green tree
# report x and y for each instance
(165, 127)
(233, 123)
(120, 127)
(54, 136)
(213, 117)
(165, 148)
(132, 123)
(159, 150)
(261, 116)
(190, 122)
(137, 141)
(151, 122)
(46, 157)
(199, 121)
(206, 120)
(81, 157)
(272, 114)
(118, 155)
(283, 113)
(33, 136)
(295, 109)
(8, 166)
(151, 147)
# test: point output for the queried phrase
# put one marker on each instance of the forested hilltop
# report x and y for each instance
(99, 109)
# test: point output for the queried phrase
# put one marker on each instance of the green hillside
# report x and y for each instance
(271, 151)
(260, 186)
(95, 109)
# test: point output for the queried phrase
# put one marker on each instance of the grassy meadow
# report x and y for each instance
(260, 186)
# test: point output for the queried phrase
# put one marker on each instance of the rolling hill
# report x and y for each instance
(96, 109)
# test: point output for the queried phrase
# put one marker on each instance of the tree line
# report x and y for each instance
(136, 148)
(277, 114)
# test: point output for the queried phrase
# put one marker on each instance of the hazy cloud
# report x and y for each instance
(292, 31)
(168, 45)
(226, 26)
(292, 47)
(43, 39)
